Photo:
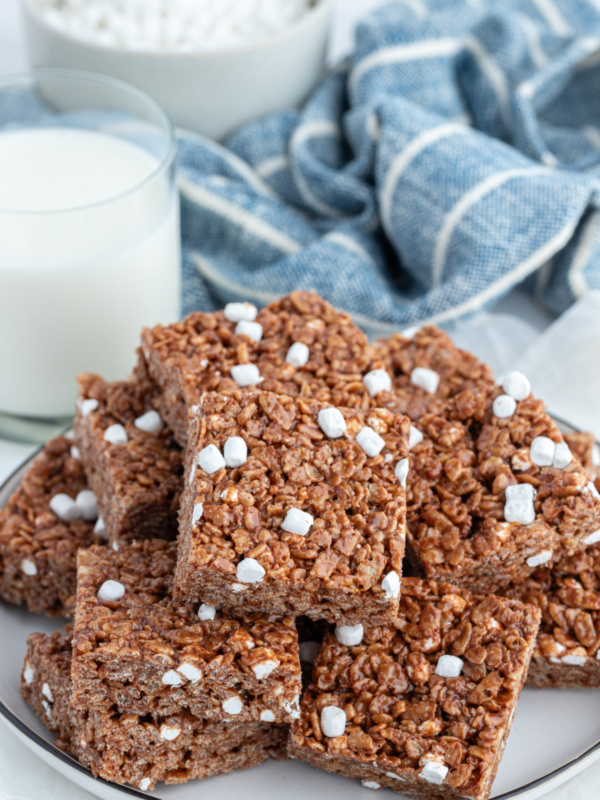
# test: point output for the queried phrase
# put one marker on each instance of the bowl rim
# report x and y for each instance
(320, 11)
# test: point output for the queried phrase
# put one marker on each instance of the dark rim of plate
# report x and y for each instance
(72, 762)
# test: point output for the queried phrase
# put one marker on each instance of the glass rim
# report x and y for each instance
(93, 77)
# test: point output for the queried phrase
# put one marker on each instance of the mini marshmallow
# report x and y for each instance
(267, 716)
(593, 538)
(541, 451)
(264, 668)
(401, 471)
(100, 528)
(415, 437)
(519, 504)
(539, 558)
(298, 355)
(426, 379)
(449, 666)
(144, 784)
(433, 772)
(86, 502)
(76, 453)
(47, 708)
(246, 375)
(47, 692)
(590, 488)
(349, 635)
(370, 441)
(391, 585)
(233, 706)
(28, 674)
(150, 422)
(371, 784)
(171, 678)
(189, 671)
(253, 330)
(378, 380)
(574, 660)
(238, 312)
(28, 567)
(410, 332)
(87, 406)
(168, 732)
(65, 507)
(297, 521)
(197, 513)
(235, 451)
(211, 460)
(249, 571)
(562, 456)
(206, 612)
(309, 651)
(111, 591)
(292, 708)
(333, 721)
(115, 434)
(516, 385)
(504, 406)
(332, 422)
(238, 587)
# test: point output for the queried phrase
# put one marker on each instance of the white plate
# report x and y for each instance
(555, 735)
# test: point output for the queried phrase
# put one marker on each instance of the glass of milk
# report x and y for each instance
(89, 238)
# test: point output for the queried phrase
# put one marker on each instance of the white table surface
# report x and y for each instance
(13, 59)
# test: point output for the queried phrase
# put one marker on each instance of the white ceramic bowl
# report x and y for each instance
(211, 93)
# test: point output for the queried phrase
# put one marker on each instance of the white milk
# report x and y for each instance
(79, 276)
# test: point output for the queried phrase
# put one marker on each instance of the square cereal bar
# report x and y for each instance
(137, 648)
(38, 548)
(568, 595)
(132, 462)
(295, 507)
(127, 748)
(299, 345)
(423, 706)
(493, 490)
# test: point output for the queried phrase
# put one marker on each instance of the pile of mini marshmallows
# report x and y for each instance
(175, 25)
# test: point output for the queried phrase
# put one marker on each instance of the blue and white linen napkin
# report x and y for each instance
(454, 156)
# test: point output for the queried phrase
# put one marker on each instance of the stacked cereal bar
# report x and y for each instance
(311, 459)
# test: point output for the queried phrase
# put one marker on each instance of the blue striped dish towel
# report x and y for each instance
(454, 156)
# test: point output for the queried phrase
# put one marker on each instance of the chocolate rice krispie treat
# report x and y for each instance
(128, 748)
(293, 506)
(423, 706)
(493, 490)
(568, 645)
(137, 648)
(50, 516)
(299, 345)
(132, 462)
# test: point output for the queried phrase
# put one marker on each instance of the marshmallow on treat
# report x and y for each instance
(253, 330)
(378, 380)
(349, 635)
(298, 355)
(246, 375)
(504, 406)
(541, 451)
(516, 385)
(250, 571)
(449, 666)
(370, 441)
(415, 437)
(332, 422)
(391, 585)
(401, 471)
(206, 612)
(562, 456)
(297, 521)
(210, 459)
(87, 406)
(539, 558)
(235, 451)
(426, 379)
(111, 591)
(333, 721)
(519, 504)
(238, 312)
(150, 422)
(115, 434)
(88, 507)
(65, 508)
